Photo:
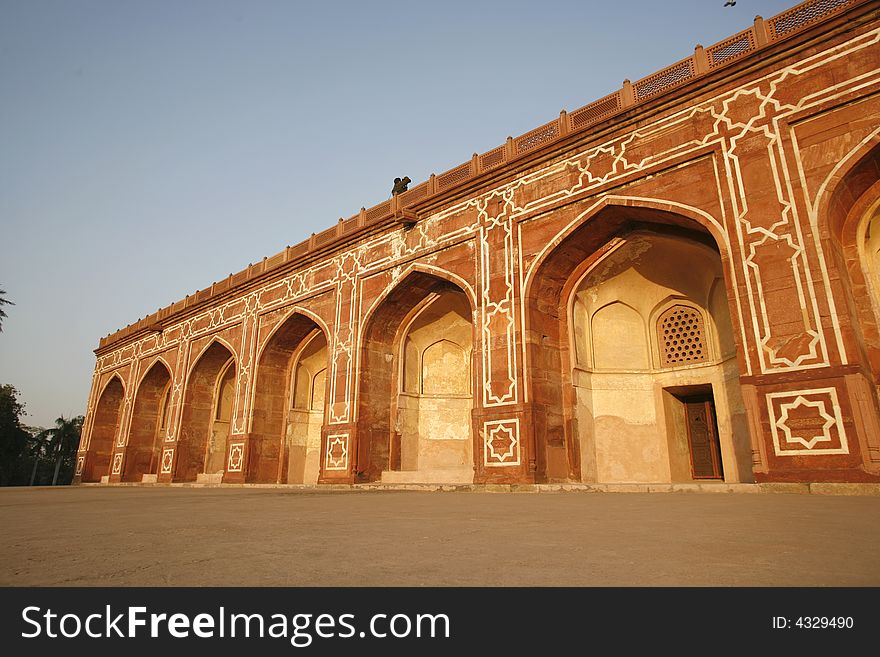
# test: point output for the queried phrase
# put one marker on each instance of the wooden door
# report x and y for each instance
(702, 431)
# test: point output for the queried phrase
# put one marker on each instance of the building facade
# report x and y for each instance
(678, 282)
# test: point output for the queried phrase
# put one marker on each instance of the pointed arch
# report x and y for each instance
(660, 211)
(158, 359)
(105, 427)
(296, 310)
(201, 445)
(145, 435)
(224, 392)
(435, 359)
(666, 333)
(427, 270)
(853, 174)
(604, 233)
(843, 216)
(385, 414)
(284, 443)
(215, 339)
(115, 376)
(606, 351)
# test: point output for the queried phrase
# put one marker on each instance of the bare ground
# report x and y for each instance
(168, 536)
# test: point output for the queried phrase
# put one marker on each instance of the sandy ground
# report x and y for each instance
(126, 536)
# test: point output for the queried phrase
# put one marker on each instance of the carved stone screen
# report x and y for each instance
(681, 337)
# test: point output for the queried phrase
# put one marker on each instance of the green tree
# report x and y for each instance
(49, 457)
(13, 436)
(64, 443)
(3, 302)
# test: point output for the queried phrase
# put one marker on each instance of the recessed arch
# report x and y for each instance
(427, 270)
(317, 395)
(105, 428)
(145, 434)
(215, 340)
(285, 441)
(393, 424)
(847, 181)
(680, 334)
(115, 377)
(618, 338)
(202, 442)
(606, 241)
(159, 359)
(224, 393)
(847, 219)
(844, 214)
(660, 211)
(444, 368)
(295, 310)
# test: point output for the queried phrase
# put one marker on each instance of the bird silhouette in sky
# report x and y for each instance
(730, 3)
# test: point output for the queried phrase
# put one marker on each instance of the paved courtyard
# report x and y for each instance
(128, 536)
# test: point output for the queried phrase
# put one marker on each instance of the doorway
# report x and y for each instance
(702, 437)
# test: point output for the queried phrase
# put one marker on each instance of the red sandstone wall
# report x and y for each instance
(751, 155)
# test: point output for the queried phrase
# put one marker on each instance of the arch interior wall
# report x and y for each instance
(435, 399)
(205, 422)
(869, 255)
(149, 424)
(629, 412)
(852, 232)
(307, 411)
(415, 407)
(105, 428)
(289, 404)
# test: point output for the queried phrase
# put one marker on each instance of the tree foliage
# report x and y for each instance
(33, 455)
(3, 302)
(62, 441)
(13, 436)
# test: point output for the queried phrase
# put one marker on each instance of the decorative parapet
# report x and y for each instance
(761, 34)
(803, 15)
(733, 48)
(669, 77)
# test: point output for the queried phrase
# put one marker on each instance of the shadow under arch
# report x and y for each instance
(430, 271)
(848, 223)
(198, 436)
(272, 442)
(148, 422)
(590, 242)
(847, 217)
(379, 364)
(105, 427)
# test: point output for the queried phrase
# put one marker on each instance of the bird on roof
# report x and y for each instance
(400, 185)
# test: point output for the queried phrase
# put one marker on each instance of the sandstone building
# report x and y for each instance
(677, 282)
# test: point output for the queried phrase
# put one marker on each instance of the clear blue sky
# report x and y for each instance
(149, 148)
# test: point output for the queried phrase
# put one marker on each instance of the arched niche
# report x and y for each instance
(659, 404)
(434, 405)
(445, 368)
(416, 385)
(288, 408)
(149, 424)
(206, 417)
(592, 305)
(617, 336)
(105, 427)
(306, 415)
(847, 217)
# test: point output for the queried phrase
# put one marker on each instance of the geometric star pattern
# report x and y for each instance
(501, 442)
(806, 422)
